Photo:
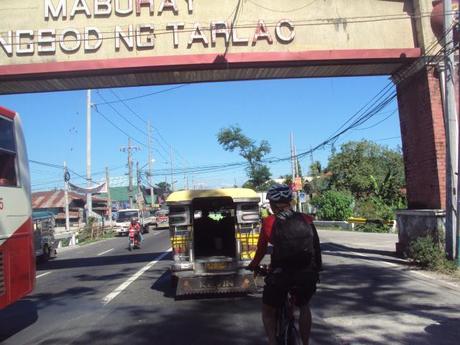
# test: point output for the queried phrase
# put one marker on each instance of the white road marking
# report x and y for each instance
(432, 278)
(131, 279)
(105, 252)
(43, 274)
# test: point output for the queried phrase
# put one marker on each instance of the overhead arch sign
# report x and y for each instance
(55, 43)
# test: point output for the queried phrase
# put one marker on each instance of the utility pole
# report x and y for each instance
(172, 167)
(450, 113)
(149, 131)
(292, 161)
(138, 178)
(297, 172)
(129, 149)
(66, 197)
(109, 197)
(89, 200)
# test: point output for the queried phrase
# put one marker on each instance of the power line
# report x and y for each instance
(121, 115)
(142, 96)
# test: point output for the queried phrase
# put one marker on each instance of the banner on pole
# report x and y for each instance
(102, 188)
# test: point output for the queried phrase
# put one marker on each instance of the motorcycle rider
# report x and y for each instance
(135, 230)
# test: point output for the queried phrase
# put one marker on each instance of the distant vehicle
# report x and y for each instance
(150, 220)
(162, 218)
(17, 259)
(45, 243)
(123, 220)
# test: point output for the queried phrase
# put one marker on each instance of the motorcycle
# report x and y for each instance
(134, 241)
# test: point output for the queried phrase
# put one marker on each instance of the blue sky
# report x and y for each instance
(188, 119)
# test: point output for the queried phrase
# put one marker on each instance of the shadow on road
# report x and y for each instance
(102, 261)
(24, 314)
(339, 249)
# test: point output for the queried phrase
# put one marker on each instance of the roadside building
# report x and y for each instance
(54, 202)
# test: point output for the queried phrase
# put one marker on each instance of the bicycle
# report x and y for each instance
(286, 330)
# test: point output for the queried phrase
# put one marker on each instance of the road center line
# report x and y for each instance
(42, 275)
(131, 279)
(105, 252)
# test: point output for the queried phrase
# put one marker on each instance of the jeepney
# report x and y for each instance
(214, 234)
(44, 241)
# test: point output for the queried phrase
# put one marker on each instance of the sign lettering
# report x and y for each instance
(134, 36)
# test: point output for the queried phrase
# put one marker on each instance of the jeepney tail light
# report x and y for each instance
(179, 250)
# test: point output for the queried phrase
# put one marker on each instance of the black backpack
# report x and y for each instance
(293, 243)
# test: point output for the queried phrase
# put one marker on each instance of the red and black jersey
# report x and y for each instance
(266, 237)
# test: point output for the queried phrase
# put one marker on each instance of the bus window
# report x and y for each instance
(7, 154)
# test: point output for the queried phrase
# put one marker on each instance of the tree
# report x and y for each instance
(315, 168)
(367, 169)
(334, 205)
(373, 174)
(162, 188)
(232, 139)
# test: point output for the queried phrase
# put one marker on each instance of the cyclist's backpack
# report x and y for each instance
(293, 243)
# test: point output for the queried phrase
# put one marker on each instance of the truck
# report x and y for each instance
(124, 217)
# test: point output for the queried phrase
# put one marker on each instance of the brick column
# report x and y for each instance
(423, 139)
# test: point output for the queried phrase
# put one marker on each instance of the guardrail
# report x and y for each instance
(352, 222)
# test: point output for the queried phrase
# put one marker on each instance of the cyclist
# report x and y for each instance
(295, 262)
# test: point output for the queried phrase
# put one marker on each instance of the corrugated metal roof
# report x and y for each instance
(56, 199)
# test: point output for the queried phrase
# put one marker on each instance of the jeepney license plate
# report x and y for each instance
(216, 266)
(216, 283)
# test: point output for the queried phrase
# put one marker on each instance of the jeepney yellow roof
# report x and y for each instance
(234, 193)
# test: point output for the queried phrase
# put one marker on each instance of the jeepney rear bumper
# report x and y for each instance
(189, 283)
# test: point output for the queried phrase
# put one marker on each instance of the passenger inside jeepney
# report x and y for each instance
(214, 233)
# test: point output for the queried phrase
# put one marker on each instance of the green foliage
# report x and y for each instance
(373, 227)
(318, 185)
(232, 139)
(162, 188)
(315, 168)
(373, 208)
(333, 205)
(365, 168)
(427, 254)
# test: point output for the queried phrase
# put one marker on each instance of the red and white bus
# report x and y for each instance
(17, 257)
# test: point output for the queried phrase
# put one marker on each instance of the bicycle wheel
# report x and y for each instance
(292, 334)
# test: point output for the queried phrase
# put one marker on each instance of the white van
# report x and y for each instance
(123, 220)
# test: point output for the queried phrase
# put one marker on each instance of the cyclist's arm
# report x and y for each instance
(262, 245)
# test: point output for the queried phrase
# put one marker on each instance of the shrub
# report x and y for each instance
(334, 205)
(373, 208)
(373, 227)
(428, 254)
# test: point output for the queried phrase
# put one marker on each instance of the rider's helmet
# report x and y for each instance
(134, 220)
(279, 193)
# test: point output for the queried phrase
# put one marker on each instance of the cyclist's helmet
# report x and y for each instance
(133, 220)
(279, 193)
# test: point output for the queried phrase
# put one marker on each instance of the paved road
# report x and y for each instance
(103, 294)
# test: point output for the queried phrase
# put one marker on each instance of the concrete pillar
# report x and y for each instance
(423, 139)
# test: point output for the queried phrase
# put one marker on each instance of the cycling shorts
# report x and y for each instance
(301, 284)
